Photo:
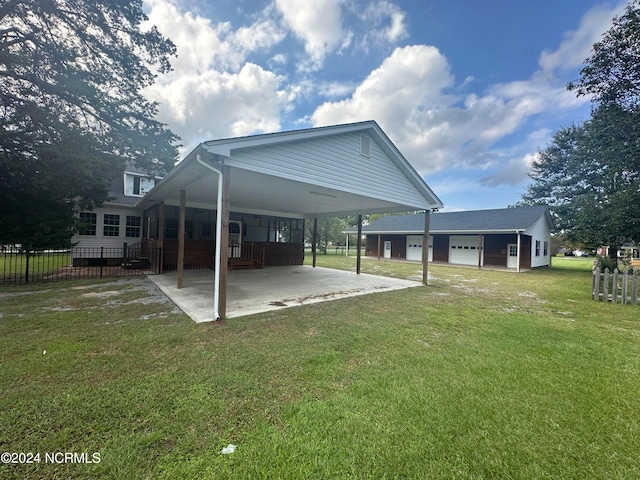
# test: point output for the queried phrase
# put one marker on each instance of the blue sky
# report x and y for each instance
(469, 91)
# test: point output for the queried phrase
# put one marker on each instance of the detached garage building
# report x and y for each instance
(515, 238)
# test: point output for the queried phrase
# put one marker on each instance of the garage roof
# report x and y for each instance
(327, 171)
(503, 220)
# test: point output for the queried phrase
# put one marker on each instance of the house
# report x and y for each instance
(104, 231)
(243, 202)
(516, 238)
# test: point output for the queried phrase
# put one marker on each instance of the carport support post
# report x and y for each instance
(480, 251)
(518, 257)
(379, 240)
(161, 235)
(425, 247)
(181, 225)
(314, 241)
(224, 242)
(359, 243)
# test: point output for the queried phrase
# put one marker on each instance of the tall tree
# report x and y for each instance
(71, 109)
(612, 73)
(590, 173)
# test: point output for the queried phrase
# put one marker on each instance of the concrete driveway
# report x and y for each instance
(272, 288)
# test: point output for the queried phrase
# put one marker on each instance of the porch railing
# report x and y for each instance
(246, 255)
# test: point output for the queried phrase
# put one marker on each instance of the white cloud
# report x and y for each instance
(397, 30)
(411, 77)
(202, 45)
(213, 91)
(221, 104)
(196, 39)
(218, 88)
(410, 96)
(576, 45)
(512, 173)
(335, 89)
(385, 20)
(318, 24)
(407, 95)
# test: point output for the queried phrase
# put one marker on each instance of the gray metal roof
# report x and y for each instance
(497, 221)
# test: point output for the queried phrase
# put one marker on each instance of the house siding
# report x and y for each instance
(398, 245)
(539, 231)
(99, 239)
(441, 248)
(495, 249)
(333, 163)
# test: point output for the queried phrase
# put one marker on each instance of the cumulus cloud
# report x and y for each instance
(213, 90)
(576, 45)
(231, 80)
(221, 104)
(409, 78)
(318, 24)
(386, 22)
(513, 172)
(202, 45)
(408, 96)
(411, 95)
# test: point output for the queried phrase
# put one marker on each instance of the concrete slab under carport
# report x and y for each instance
(256, 291)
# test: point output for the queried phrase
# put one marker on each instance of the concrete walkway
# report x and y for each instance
(272, 288)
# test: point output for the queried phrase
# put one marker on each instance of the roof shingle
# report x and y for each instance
(503, 219)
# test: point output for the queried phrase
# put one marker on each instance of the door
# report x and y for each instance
(512, 255)
(463, 249)
(235, 239)
(387, 249)
(414, 248)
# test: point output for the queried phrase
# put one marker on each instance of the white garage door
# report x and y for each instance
(463, 249)
(414, 248)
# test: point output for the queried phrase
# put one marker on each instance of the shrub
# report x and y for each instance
(606, 262)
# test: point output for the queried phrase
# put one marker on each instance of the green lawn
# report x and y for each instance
(13, 267)
(482, 374)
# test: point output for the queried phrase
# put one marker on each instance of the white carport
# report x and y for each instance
(306, 174)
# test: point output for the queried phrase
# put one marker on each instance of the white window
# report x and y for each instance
(137, 185)
(87, 223)
(133, 226)
(111, 225)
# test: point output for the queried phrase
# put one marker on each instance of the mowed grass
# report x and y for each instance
(482, 374)
(13, 267)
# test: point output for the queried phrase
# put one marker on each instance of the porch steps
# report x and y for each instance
(243, 263)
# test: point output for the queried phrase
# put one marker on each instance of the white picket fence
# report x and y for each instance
(616, 287)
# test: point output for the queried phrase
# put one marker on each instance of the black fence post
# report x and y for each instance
(26, 275)
(101, 259)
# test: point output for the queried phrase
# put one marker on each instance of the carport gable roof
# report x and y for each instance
(505, 220)
(325, 171)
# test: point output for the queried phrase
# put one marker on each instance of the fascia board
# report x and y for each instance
(439, 232)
